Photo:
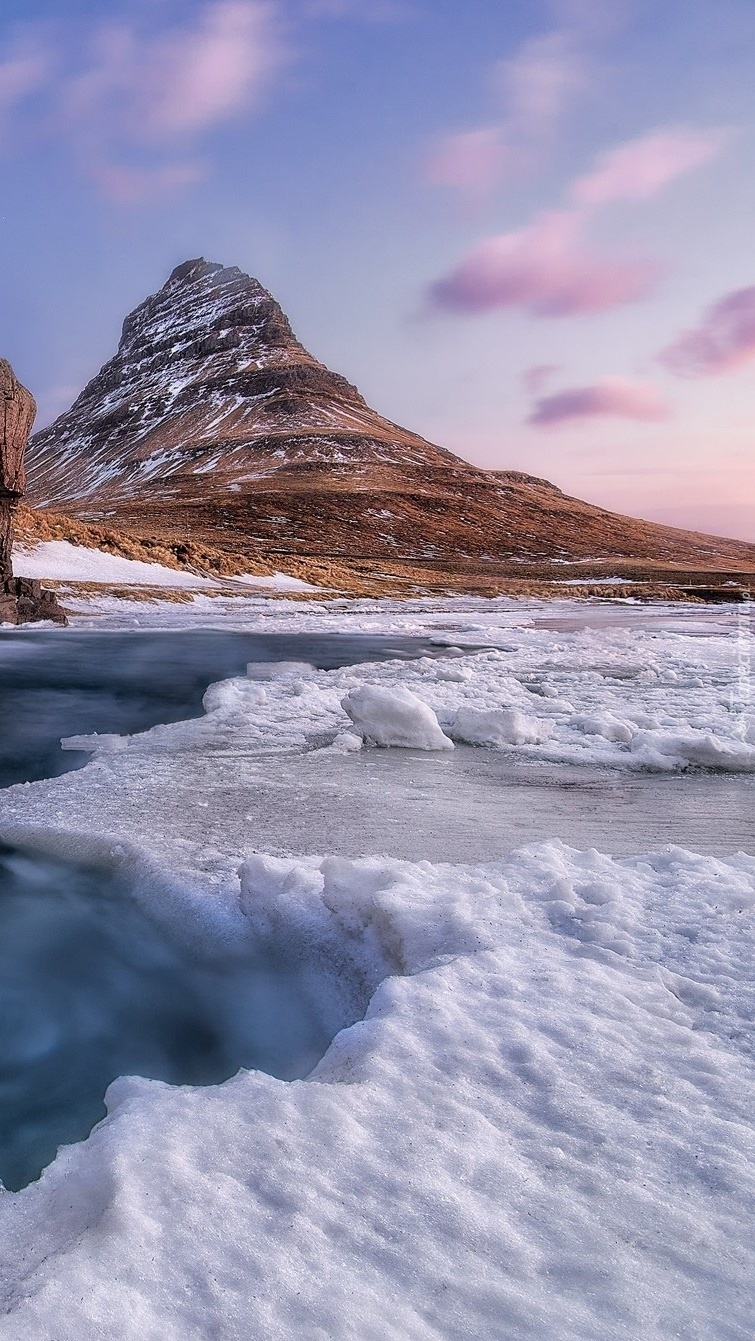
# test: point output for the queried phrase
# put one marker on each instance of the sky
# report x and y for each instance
(523, 228)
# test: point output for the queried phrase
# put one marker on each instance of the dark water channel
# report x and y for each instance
(65, 683)
(92, 988)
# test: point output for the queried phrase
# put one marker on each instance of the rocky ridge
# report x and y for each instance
(213, 426)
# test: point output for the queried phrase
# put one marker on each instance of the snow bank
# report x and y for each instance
(664, 750)
(59, 560)
(394, 717)
(606, 725)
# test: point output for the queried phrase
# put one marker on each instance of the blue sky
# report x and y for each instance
(523, 229)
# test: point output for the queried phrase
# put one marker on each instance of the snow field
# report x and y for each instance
(543, 1126)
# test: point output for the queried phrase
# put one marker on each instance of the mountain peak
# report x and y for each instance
(212, 273)
(198, 268)
(209, 388)
(204, 296)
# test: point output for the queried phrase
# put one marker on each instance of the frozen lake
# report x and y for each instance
(469, 804)
(66, 682)
(93, 986)
(473, 804)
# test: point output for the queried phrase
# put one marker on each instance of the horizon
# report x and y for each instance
(530, 245)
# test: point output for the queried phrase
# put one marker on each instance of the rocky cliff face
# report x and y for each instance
(213, 422)
(17, 411)
(20, 599)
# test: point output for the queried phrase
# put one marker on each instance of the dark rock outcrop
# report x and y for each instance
(17, 411)
(21, 599)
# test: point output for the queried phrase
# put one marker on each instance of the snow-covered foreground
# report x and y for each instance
(544, 1125)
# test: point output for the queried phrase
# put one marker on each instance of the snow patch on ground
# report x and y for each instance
(59, 560)
(278, 581)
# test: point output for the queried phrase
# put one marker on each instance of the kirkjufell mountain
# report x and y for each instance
(213, 423)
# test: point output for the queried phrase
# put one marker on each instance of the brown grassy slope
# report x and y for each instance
(662, 579)
(455, 519)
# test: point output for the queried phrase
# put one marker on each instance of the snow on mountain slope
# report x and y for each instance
(208, 380)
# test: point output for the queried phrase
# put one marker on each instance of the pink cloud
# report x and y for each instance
(131, 101)
(470, 161)
(642, 167)
(182, 80)
(534, 86)
(539, 82)
(535, 379)
(132, 186)
(23, 71)
(221, 68)
(614, 397)
(723, 342)
(546, 270)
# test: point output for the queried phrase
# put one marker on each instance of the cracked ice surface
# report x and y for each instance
(543, 1125)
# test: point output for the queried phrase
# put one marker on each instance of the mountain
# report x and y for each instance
(212, 423)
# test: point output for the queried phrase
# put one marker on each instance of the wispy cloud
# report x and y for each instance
(132, 186)
(534, 86)
(24, 68)
(549, 268)
(643, 167)
(470, 161)
(539, 82)
(723, 342)
(132, 92)
(614, 397)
